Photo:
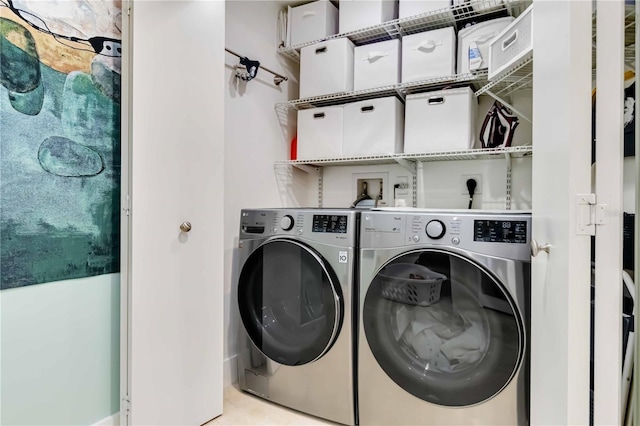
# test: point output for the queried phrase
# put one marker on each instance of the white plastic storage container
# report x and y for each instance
(313, 21)
(373, 127)
(473, 44)
(320, 132)
(326, 68)
(411, 284)
(513, 45)
(376, 65)
(358, 14)
(429, 54)
(409, 8)
(443, 120)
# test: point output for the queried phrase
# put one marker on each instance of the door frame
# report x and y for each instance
(125, 204)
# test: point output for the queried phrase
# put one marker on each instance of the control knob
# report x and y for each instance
(435, 229)
(286, 223)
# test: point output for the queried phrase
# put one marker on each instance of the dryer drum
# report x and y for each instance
(289, 305)
(457, 351)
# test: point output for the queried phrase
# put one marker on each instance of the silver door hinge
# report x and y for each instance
(589, 214)
(126, 209)
(125, 405)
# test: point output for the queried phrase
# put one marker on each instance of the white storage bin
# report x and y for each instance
(326, 68)
(313, 21)
(411, 284)
(358, 14)
(443, 120)
(409, 8)
(320, 132)
(429, 54)
(373, 127)
(376, 65)
(512, 45)
(475, 41)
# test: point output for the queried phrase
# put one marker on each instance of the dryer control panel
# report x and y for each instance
(330, 226)
(502, 234)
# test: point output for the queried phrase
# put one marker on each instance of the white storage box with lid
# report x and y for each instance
(326, 68)
(358, 14)
(320, 132)
(442, 120)
(376, 65)
(312, 21)
(373, 127)
(429, 54)
(473, 44)
(409, 8)
(513, 45)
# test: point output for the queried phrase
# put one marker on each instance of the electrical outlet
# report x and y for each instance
(463, 184)
(403, 185)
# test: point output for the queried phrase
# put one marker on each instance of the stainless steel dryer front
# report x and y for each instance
(444, 318)
(295, 297)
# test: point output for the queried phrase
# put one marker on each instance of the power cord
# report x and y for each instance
(471, 186)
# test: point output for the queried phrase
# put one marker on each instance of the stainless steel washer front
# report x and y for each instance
(295, 296)
(443, 318)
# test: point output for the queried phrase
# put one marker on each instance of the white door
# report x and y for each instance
(560, 289)
(172, 358)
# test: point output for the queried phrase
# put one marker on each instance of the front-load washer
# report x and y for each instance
(295, 298)
(444, 317)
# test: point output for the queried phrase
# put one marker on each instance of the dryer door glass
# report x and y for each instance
(289, 301)
(443, 328)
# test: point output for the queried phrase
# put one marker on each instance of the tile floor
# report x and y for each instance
(241, 408)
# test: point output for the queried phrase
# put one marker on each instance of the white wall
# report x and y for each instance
(60, 352)
(255, 137)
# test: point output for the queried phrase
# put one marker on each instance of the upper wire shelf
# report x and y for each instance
(629, 36)
(519, 76)
(415, 24)
(402, 89)
(471, 154)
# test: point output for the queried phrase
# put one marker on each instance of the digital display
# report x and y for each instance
(329, 223)
(500, 231)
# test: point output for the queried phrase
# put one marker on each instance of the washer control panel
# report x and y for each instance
(502, 234)
(334, 226)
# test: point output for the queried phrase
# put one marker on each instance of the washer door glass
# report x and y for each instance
(289, 301)
(443, 328)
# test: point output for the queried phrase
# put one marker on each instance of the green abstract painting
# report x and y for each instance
(60, 68)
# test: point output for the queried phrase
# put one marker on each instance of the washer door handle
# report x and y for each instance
(537, 248)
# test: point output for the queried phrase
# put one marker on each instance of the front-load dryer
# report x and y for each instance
(444, 318)
(295, 298)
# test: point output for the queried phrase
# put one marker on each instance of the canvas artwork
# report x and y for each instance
(60, 73)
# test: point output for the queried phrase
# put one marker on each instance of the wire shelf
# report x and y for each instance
(629, 36)
(455, 15)
(518, 77)
(401, 90)
(471, 154)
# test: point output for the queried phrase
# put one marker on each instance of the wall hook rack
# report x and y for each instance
(277, 78)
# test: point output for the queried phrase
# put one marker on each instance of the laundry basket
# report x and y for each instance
(411, 284)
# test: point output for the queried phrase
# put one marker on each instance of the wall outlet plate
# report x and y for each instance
(463, 184)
